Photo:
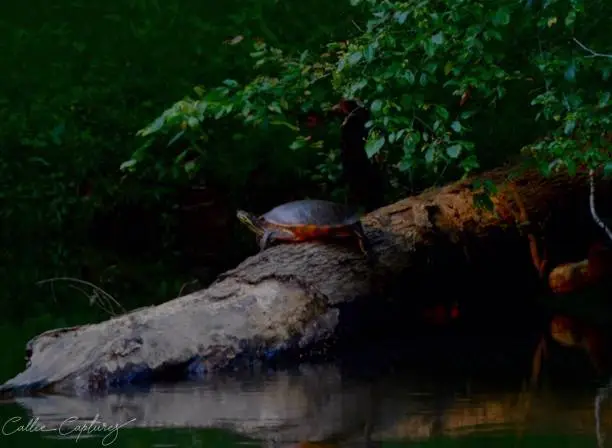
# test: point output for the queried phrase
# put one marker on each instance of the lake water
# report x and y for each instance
(321, 404)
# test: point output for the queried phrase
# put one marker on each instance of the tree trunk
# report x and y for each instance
(297, 299)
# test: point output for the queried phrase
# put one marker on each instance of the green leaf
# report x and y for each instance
(274, 107)
(467, 114)
(181, 156)
(454, 151)
(483, 201)
(501, 17)
(157, 124)
(370, 51)
(355, 57)
(494, 34)
(411, 141)
(374, 145)
(284, 123)
(442, 112)
(438, 38)
(193, 122)
(423, 79)
(570, 73)
(608, 170)
(489, 186)
(125, 166)
(604, 99)
(409, 77)
(45, 163)
(230, 83)
(456, 126)
(429, 154)
(429, 48)
(470, 163)
(401, 17)
(191, 166)
(175, 138)
(353, 89)
(570, 125)
(544, 168)
(376, 106)
(297, 144)
(405, 164)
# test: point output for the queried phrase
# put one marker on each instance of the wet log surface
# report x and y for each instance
(296, 299)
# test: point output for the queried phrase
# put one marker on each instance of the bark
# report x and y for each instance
(576, 276)
(291, 298)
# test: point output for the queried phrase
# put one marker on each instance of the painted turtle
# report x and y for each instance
(306, 220)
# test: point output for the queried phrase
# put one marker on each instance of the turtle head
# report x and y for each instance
(250, 220)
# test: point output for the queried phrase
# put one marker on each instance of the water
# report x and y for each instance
(324, 404)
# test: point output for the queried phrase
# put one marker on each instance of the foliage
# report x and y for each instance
(452, 86)
(79, 78)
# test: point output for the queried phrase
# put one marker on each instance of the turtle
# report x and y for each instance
(307, 220)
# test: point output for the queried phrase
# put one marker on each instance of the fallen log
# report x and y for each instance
(291, 299)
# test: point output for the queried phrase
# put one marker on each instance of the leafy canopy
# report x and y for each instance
(452, 86)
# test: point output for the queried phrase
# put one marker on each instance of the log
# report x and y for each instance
(303, 299)
(576, 276)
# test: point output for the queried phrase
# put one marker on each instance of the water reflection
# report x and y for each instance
(320, 403)
(602, 397)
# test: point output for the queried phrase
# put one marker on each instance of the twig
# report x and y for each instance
(93, 298)
(539, 258)
(420, 120)
(82, 291)
(594, 214)
(352, 113)
(593, 54)
(185, 285)
(357, 26)
(99, 296)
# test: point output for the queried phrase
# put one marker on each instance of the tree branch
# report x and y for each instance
(594, 214)
(593, 54)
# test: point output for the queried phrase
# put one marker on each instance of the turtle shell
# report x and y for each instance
(312, 213)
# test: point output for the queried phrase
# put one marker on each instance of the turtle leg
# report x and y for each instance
(271, 235)
(265, 240)
(364, 243)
